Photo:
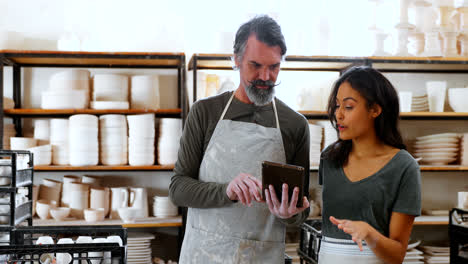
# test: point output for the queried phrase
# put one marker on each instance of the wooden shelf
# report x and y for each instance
(34, 58)
(104, 168)
(139, 223)
(404, 115)
(296, 63)
(431, 220)
(67, 112)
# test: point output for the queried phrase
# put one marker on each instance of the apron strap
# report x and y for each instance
(229, 103)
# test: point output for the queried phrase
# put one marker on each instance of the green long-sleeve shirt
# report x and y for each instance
(185, 188)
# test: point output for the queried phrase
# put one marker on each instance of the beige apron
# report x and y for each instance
(345, 251)
(236, 233)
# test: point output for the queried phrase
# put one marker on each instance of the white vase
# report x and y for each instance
(450, 43)
(403, 31)
(379, 40)
(432, 44)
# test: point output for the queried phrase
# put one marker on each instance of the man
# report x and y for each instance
(218, 171)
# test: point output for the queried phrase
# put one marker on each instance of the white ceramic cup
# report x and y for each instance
(405, 101)
(100, 198)
(436, 95)
(463, 200)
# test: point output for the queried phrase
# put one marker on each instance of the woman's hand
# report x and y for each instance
(358, 230)
(284, 209)
(244, 188)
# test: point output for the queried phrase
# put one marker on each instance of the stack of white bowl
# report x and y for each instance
(315, 144)
(113, 139)
(67, 89)
(59, 141)
(110, 91)
(420, 103)
(42, 131)
(141, 133)
(8, 132)
(464, 150)
(42, 154)
(329, 136)
(170, 131)
(163, 207)
(437, 149)
(22, 143)
(83, 140)
(145, 92)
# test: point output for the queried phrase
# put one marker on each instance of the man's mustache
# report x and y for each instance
(270, 84)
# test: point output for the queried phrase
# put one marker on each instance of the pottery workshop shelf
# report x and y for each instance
(68, 112)
(30, 58)
(143, 223)
(404, 115)
(419, 64)
(431, 220)
(105, 168)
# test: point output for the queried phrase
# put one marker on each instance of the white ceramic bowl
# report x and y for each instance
(83, 158)
(457, 98)
(83, 120)
(94, 215)
(112, 121)
(64, 99)
(60, 213)
(128, 214)
(43, 208)
(110, 105)
(18, 143)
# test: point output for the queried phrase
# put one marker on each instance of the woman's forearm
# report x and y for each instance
(387, 249)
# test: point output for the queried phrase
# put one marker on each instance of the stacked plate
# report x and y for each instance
(163, 207)
(8, 132)
(437, 149)
(83, 140)
(139, 248)
(420, 103)
(145, 92)
(110, 105)
(170, 131)
(464, 150)
(141, 133)
(412, 254)
(113, 139)
(315, 144)
(109, 88)
(42, 131)
(59, 141)
(67, 89)
(329, 133)
(440, 255)
(42, 154)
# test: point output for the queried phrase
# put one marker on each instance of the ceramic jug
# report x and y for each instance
(119, 199)
(139, 199)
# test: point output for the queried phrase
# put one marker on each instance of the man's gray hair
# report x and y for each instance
(267, 31)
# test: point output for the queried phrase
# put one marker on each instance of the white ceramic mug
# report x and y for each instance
(79, 199)
(99, 198)
(139, 200)
(67, 179)
(463, 200)
(119, 199)
(436, 95)
(405, 101)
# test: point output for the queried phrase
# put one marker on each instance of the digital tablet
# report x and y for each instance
(278, 173)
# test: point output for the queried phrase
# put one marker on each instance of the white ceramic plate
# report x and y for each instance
(435, 155)
(412, 244)
(438, 161)
(442, 135)
(438, 150)
(437, 141)
(436, 145)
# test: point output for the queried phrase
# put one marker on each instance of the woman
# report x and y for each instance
(371, 184)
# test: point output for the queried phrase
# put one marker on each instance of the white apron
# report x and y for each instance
(236, 233)
(345, 251)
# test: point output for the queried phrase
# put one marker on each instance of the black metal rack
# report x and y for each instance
(18, 178)
(309, 243)
(23, 246)
(458, 233)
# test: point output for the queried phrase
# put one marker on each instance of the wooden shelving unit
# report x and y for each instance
(67, 112)
(140, 223)
(404, 115)
(104, 168)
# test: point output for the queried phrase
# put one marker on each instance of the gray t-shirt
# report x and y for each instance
(394, 188)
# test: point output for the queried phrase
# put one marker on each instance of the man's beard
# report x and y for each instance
(260, 96)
